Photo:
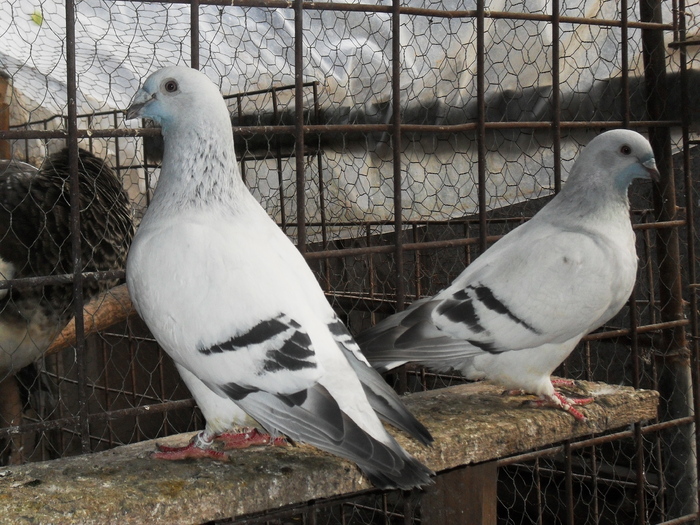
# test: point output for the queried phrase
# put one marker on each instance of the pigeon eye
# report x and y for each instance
(170, 86)
(625, 150)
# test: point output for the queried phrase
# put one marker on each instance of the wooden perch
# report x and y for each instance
(473, 425)
(109, 308)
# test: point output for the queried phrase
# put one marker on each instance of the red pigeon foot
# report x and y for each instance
(565, 403)
(198, 447)
(248, 437)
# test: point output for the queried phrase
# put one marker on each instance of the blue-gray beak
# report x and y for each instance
(140, 100)
(650, 165)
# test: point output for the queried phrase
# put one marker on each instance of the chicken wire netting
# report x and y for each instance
(395, 141)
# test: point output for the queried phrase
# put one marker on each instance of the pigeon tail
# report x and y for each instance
(312, 416)
(383, 399)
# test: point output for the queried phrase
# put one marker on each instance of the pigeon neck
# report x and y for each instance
(199, 168)
(585, 196)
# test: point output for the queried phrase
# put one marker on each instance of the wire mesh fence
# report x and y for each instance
(394, 141)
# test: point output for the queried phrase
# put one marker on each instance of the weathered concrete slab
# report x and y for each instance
(471, 424)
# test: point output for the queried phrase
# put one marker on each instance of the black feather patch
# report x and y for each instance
(293, 355)
(337, 328)
(236, 392)
(486, 347)
(461, 311)
(485, 295)
(296, 399)
(260, 333)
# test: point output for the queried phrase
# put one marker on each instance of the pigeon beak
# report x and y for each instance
(140, 100)
(650, 165)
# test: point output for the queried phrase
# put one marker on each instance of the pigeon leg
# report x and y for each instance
(248, 437)
(563, 382)
(565, 403)
(198, 447)
(11, 415)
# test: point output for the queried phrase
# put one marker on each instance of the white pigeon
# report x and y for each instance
(516, 312)
(233, 302)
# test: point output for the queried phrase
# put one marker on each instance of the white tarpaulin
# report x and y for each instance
(119, 43)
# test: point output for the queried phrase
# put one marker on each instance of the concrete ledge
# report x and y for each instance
(471, 423)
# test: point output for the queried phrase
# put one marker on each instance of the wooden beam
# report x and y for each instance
(5, 149)
(463, 496)
(472, 424)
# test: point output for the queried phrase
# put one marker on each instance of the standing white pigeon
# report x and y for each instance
(233, 302)
(516, 312)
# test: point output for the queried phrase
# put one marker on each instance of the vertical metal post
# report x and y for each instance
(624, 62)
(569, 484)
(639, 460)
(324, 263)
(556, 96)
(5, 148)
(278, 159)
(72, 143)
(397, 147)
(690, 203)
(674, 363)
(299, 125)
(481, 123)
(194, 34)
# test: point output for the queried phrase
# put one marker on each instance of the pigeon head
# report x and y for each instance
(178, 94)
(617, 157)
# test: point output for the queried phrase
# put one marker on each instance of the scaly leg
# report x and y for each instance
(204, 445)
(559, 400)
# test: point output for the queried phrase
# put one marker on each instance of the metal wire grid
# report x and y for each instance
(617, 478)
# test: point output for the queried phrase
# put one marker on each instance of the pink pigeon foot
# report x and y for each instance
(198, 447)
(249, 437)
(565, 403)
(558, 400)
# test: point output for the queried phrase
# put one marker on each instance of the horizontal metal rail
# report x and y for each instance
(320, 129)
(417, 11)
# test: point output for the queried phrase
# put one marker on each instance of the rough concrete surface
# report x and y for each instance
(470, 423)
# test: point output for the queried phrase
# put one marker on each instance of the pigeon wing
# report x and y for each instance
(539, 285)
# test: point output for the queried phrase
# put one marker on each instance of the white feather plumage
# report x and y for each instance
(519, 309)
(233, 302)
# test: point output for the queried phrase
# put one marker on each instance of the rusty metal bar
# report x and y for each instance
(342, 128)
(74, 421)
(396, 130)
(415, 11)
(481, 125)
(569, 484)
(299, 119)
(32, 282)
(556, 96)
(66, 278)
(690, 203)
(194, 34)
(278, 162)
(72, 141)
(598, 440)
(675, 383)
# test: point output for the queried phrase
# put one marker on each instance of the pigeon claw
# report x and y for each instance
(195, 449)
(249, 437)
(565, 403)
(200, 447)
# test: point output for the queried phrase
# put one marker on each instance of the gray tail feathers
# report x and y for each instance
(312, 416)
(412, 337)
(385, 402)
(388, 343)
